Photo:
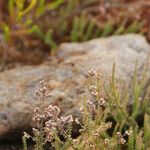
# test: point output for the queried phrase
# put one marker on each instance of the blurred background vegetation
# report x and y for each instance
(31, 30)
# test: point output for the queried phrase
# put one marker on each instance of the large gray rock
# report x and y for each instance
(66, 79)
(100, 54)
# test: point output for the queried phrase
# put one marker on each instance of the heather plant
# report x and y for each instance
(48, 122)
(114, 117)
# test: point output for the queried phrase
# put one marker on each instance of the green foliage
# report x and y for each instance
(22, 14)
(49, 39)
(146, 130)
(108, 28)
(82, 29)
(42, 6)
(120, 29)
(134, 27)
(6, 31)
(111, 29)
(28, 20)
(24, 141)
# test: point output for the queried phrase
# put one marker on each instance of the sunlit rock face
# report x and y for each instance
(66, 78)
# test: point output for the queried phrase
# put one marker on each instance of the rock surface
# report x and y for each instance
(66, 79)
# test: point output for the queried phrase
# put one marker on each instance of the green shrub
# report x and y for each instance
(116, 117)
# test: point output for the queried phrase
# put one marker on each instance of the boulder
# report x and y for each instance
(66, 78)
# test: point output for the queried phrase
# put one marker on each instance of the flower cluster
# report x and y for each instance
(98, 100)
(55, 123)
(121, 138)
(95, 85)
(103, 127)
(43, 92)
(47, 118)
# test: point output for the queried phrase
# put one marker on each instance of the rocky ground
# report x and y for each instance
(66, 78)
